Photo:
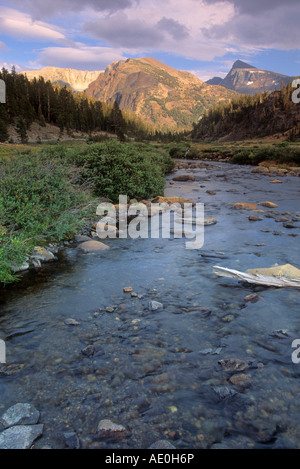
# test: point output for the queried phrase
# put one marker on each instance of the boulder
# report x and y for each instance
(93, 246)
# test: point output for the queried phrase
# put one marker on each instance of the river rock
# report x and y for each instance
(269, 204)
(184, 178)
(20, 414)
(20, 436)
(71, 440)
(244, 206)
(88, 351)
(233, 365)
(240, 382)
(173, 200)
(254, 218)
(72, 322)
(154, 305)
(82, 238)
(107, 428)
(42, 254)
(162, 444)
(252, 298)
(10, 369)
(260, 170)
(19, 268)
(93, 246)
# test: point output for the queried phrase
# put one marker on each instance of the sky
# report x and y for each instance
(203, 37)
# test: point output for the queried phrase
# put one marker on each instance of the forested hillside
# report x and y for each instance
(251, 116)
(40, 101)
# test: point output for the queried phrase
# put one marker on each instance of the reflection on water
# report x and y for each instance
(161, 373)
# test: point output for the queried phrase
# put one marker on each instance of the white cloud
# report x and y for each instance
(9, 66)
(81, 57)
(21, 26)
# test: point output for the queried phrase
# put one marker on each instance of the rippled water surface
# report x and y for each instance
(159, 373)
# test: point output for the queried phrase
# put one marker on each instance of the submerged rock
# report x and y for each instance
(20, 436)
(154, 305)
(244, 206)
(20, 414)
(184, 178)
(162, 444)
(106, 429)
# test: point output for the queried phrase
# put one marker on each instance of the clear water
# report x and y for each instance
(151, 371)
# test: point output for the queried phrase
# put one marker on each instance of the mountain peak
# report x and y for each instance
(241, 64)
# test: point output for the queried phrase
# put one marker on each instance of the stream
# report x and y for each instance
(162, 374)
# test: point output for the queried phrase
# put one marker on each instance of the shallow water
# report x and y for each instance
(158, 372)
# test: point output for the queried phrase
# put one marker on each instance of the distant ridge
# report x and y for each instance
(78, 80)
(247, 79)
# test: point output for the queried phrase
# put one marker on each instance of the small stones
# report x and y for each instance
(223, 392)
(253, 298)
(11, 369)
(233, 365)
(240, 382)
(254, 218)
(88, 351)
(134, 295)
(127, 289)
(276, 181)
(109, 309)
(228, 318)
(211, 192)
(154, 305)
(72, 322)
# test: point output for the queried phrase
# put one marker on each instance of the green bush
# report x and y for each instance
(37, 200)
(113, 168)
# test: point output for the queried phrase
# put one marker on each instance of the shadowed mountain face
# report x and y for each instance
(168, 99)
(245, 78)
(78, 80)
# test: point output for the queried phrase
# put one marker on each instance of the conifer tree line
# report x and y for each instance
(37, 100)
(250, 110)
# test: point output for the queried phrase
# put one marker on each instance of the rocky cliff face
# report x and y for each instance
(167, 98)
(246, 79)
(78, 80)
